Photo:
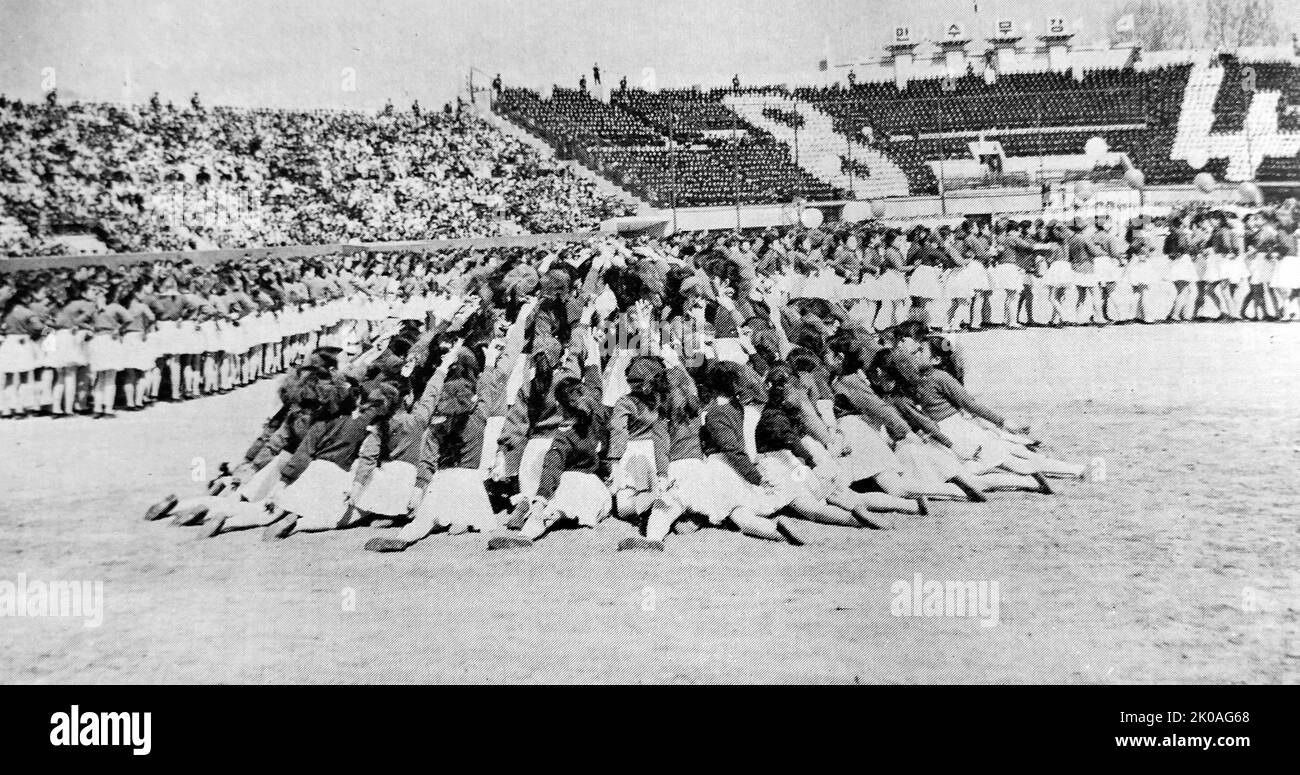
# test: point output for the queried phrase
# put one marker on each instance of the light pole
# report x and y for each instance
(735, 165)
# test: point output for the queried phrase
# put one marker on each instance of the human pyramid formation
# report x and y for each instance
(679, 383)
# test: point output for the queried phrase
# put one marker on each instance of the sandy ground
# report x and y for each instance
(1182, 566)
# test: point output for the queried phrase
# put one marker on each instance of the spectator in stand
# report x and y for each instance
(154, 177)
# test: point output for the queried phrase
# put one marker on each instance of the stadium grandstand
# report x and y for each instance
(961, 121)
(953, 126)
(154, 177)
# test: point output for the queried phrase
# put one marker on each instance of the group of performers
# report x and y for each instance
(673, 384)
(94, 340)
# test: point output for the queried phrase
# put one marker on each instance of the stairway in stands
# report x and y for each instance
(820, 146)
(604, 185)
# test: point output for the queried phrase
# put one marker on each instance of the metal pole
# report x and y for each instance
(1250, 157)
(796, 138)
(943, 185)
(798, 179)
(735, 162)
(1038, 106)
(672, 162)
(848, 144)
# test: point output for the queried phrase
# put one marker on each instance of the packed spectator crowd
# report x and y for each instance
(161, 177)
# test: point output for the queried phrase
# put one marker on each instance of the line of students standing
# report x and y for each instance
(99, 340)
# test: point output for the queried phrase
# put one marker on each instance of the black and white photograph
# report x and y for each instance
(718, 342)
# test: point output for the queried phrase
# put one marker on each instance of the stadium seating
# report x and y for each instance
(157, 177)
(876, 140)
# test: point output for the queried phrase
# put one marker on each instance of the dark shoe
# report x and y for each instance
(160, 509)
(518, 516)
(975, 494)
(1043, 486)
(872, 521)
(685, 526)
(191, 517)
(278, 531)
(223, 470)
(783, 527)
(386, 545)
(637, 543)
(214, 529)
(508, 542)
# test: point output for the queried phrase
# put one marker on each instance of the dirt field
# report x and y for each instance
(1182, 566)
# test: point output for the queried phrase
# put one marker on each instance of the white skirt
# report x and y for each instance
(893, 286)
(637, 469)
(208, 337)
(260, 484)
(389, 490)
(1007, 277)
(1183, 270)
(731, 491)
(581, 496)
(1210, 269)
(18, 354)
(376, 309)
(1144, 272)
(869, 453)
(268, 328)
(457, 497)
(1105, 270)
(965, 281)
(924, 283)
(792, 476)
(867, 288)
(693, 486)
(1261, 269)
(410, 309)
(168, 339)
(319, 494)
(1234, 270)
(1059, 275)
(136, 353)
(927, 464)
(64, 349)
(292, 321)
(971, 442)
(104, 352)
(1286, 275)
(234, 337)
(824, 285)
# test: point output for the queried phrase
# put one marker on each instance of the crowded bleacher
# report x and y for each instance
(163, 177)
